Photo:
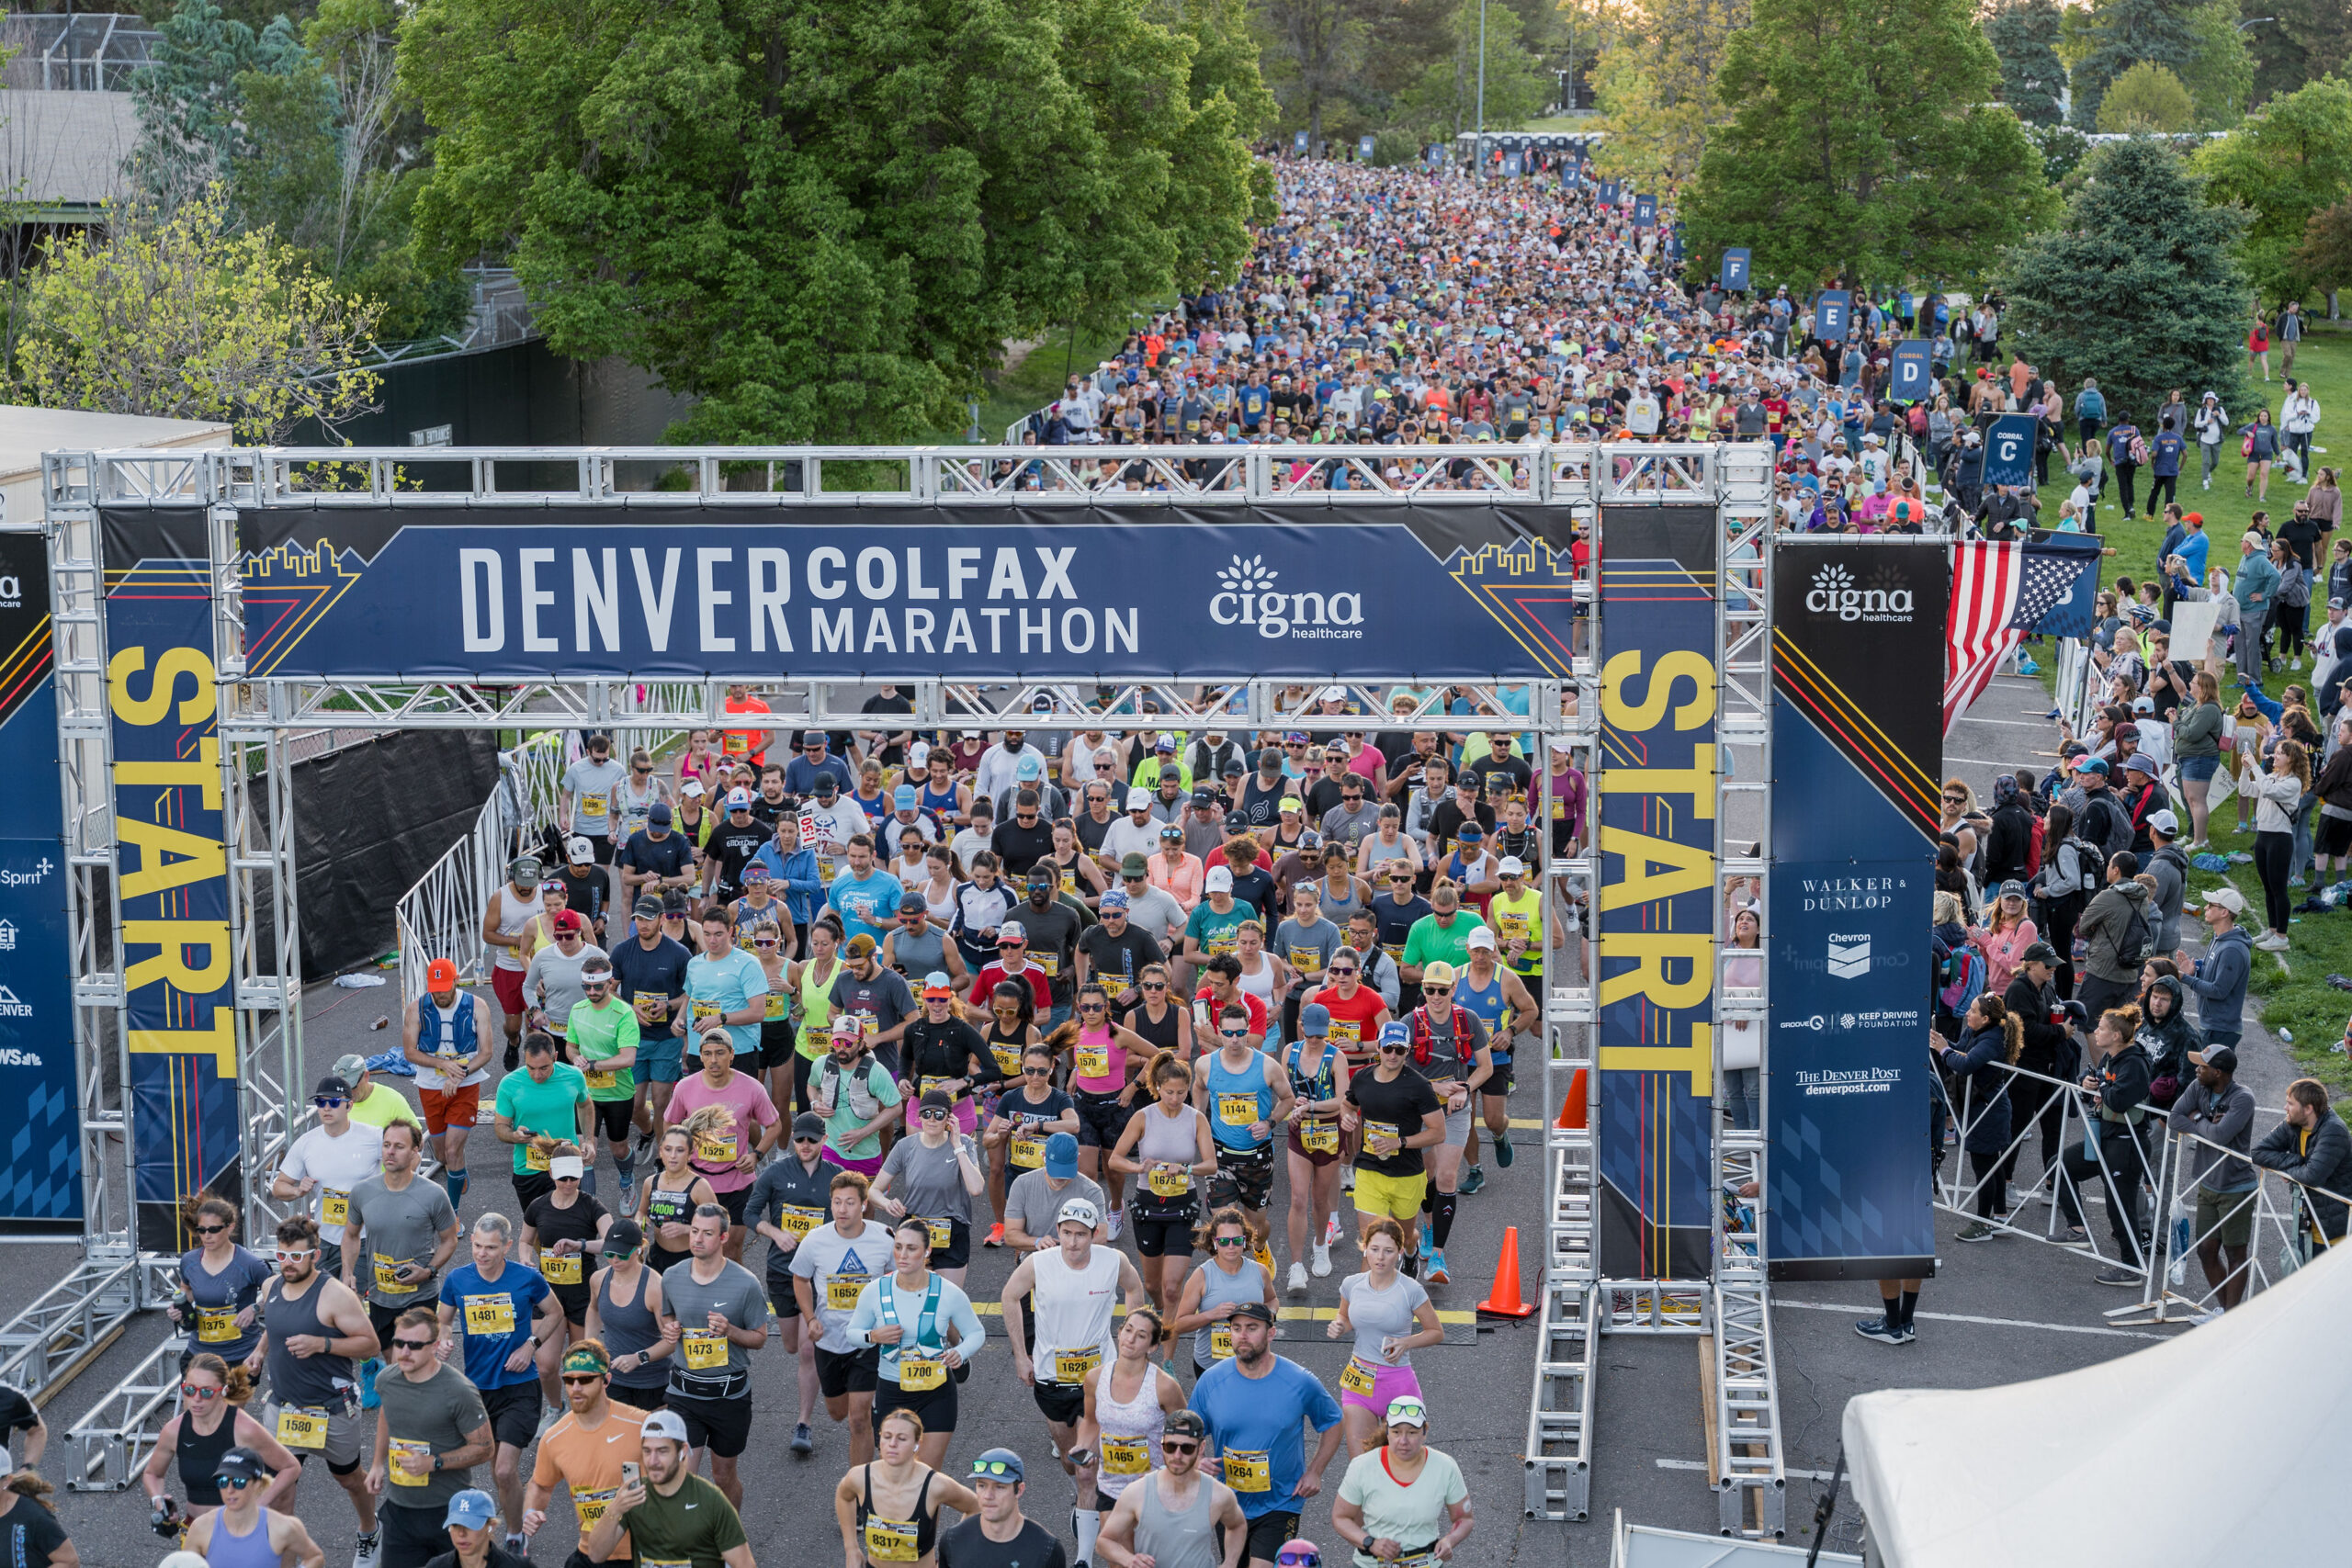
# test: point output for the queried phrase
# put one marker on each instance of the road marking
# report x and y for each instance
(1701, 1465)
(2044, 725)
(1989, 1322)
(1289, 1315)
(1982, 762)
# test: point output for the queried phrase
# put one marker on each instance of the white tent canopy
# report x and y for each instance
(2224, 1445)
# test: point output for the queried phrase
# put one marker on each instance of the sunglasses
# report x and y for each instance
(329, 1101)
(1345, 969)
(197, 1390)
(1035, 1072)
(640, 772)
(1234, 1034)
(997, 1469)
(763, 941)
(1233, 1241)
(211, 1230)
(1090, 1006)
(286, 1257)
(1394, 1050)
(1177, 1446)
(238, 1481)
(809, 1138)
(934, 1114)
(583, 1379)
(399, 1344)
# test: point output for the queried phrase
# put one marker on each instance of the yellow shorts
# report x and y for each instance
(1398, 1196)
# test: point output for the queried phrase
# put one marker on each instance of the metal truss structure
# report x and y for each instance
(258, 716)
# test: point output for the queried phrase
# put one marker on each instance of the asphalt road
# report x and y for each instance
(1993, 1314)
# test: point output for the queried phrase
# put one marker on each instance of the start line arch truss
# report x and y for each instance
(1552, 493)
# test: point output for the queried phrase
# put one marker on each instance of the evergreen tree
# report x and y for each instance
(2136, 286)
(2220, 75)
(2123, 33)
(1864, 144)
(2307, 40)
(2024, 34)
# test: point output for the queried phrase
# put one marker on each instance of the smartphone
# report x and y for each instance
(628, 1473)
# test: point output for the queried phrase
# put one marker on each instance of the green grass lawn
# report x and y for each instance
(1037, 380)
(2295, 995)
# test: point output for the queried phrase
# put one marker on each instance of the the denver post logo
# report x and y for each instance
(10, 1006)
(1849, 956)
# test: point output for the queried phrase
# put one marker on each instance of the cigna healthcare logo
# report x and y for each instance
(1835, 593)
(1247, 596)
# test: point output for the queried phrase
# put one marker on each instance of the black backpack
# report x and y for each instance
(2138, 936)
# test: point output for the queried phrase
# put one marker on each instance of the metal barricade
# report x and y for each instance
(2280, 1240)
(441, 916)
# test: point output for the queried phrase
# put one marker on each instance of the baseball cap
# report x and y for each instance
(473, 1508)
(1408, 1411)
(658, 814)
(2039, 952)
(1396, 1031)
(525, 871)
(1333, 694)
(904, 798)
(811, 737)
(2229, 899)
(2012, 888)
(1233, 768)
(809, 1124)
(1185, 1424)
(569, 920)
(1010, 932)
(2095, 765)
(1205, 797)
(647, 906)
(1029, 768)
(624, 1237)
(1271, 759)
(1116, 899)
(2163, 821)
(935, 1099)
(1483, 936)
(995, 1464)
(1218, 880)
(1136, 866)
(668, 1425)
(861, 944)
(1061, 1156)
(1172, 773)
(1138, 800)
(350, 1068)
(1439, 974)
(1258, 1310)
(242, 1462)
(1512, 866)
(1314, 1019)
(1077, 1210)
(333, 1087)
(739, 800)
(1164, 744)
(909, 902)
(578, 851)
(826, 784)
(440, 975)
(2221, 1059)
(935, 985)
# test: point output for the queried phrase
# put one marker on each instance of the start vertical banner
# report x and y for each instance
(173, 883)
(1655, 985)
(41, 1164)
(1857, 627)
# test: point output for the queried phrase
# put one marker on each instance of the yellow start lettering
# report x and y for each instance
(1625, 712)
(1697, 1058)
(1651, 953)
(1651, 868)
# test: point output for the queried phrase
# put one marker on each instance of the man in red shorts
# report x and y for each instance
(439, 1036)
(505, 925)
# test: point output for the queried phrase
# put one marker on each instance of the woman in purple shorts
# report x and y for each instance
(1390, 1316)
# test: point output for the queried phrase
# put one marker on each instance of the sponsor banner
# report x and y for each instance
(41, 1164)
(1734, 275)
(172, 878)
(1655, 987)
(2008, 449)
(1856, 756)
(1913, 376)
(581, 593)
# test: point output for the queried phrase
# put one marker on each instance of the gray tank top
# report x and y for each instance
(1217, 1287)
(1176, 1541)
(313, 1381)
(628, 1329)
(1169, 1140)
(1338, 910)
(919, 955)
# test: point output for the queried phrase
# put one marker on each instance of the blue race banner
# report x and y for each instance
(1734, 275)
(1609, 193)
(1912, 375)
(1833, 315)
(172, 882)
(1364, 148)
(1655, 1041)
(40, 1162)
(2008, 449)
(850, 593)
(1298, 142)
(1856, 759)
(1645, 212)
(1510, 164)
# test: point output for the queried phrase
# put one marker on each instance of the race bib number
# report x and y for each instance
(706, 1350)
(1395, 949)
(931, 1081)
(1071, 1366)
(1381, 1137)
(841, 1291)
(1237, 1109)
(1249, 1469)
(1221, 1341)
(779, 1007)
(216, 1325)
(1168, 1182)
(1319, 1137)
(1051, 963)
(388, 1272)
(412, 1462)
(598, 1080)
(1028, 1153)
(1355, 1380)
(334, 1207)
(534, 1158)
(1347, 1030)
(826, 866)
(1008, 1059)
(942, 1231)
(1514, 927)
(700, 1013)
(1307, 961)
(561, 1268)
(650, 1007)
(299, 1428)
(591, 1506)
(489, 1315)
(1126, 1456)
(736, 742)
(1069, 880)
(1224, 945)
(798, 1220)
(717, 1148)
(890, 1540)
(1092, 1061)
(592, 806)
(920, 1374)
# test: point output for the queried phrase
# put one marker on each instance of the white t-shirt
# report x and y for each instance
(338, 1163)
(1413, 1517)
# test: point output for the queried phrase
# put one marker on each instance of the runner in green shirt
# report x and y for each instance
(1440, 936)
(548, 1098)
(603, 1037)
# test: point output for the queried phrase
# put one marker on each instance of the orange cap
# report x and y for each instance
(441, 974)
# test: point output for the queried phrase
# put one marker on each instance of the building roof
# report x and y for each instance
(27, 432)
(62, 153)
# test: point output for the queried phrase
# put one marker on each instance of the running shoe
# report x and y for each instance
(1435, 1274)
(1885, 1332)
(1117, 1224)
(1298, 1279)
(1331, 1232)
(1473, 1181)
(369, 1547)
(1979, 1231)
(2115, 1275)
(996, 1234)
(804, 1441)
(1321, 1268)
(1503, 1155)
(1423, 1250)
(514, 1057)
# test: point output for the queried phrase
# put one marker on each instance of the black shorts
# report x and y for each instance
(1062, 1402)
(514, 1411)
(856, 1372)
(653, 1398)
(1243, 1176)
(958, 1253)
(1500, 1083)
(573, 1300)
(2333, 836)
(1268, 1532)
(776, 1044)
(722, 1426)
(1164, 1238)
(600, 845)
(615, 1117)
(530, 1186)
(935, 1406)
(783, 1299)
(1101, 1120)
(732, 1201)
(413, 1537)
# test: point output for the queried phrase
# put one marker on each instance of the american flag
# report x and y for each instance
(1999, 593)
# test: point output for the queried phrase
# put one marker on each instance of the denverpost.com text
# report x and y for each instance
(1865, 1080)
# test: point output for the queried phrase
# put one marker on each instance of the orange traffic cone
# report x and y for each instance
(1572, 1109)
(1503, 1300)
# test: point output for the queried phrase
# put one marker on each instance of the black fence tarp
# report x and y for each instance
(369, 821)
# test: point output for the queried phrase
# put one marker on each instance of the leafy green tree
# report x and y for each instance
(2137, 285)
(177, 314)
(2219, 76)
(1656, 84)
(1865, 143)
(194, 128)
(2024, 34)
(2146, 98)
(2305, 40)
(822, 221)
(1444, 102)
(2289, 159)
(2122, 33)
(2325, 255)
(2063, 149)
(1315, 55)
